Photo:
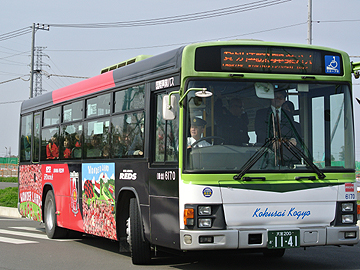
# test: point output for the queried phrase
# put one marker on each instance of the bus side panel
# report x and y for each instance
(164, 207)
(133, 175)
(65, 181)
(98, 199)
(165, 222)
(30, 191)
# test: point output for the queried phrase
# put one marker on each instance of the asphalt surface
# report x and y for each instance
(7, 184)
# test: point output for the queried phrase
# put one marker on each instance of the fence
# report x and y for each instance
(8, 170)
(9, 166)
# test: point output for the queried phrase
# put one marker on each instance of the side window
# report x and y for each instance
(132, 98)
(36, 149)
(51, 117)
(50, 143)
(96, 139)
(25, 143)
(166, 137)
(128, 135)
(98, 106)
(71, 141)
(73, 112)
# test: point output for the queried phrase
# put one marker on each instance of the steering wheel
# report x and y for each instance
(206, 138)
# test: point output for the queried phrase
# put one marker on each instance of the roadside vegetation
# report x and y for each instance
(9, 179)
(9, 196)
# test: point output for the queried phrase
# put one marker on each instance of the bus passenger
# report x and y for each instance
(52, 149)
(67, 150)
(196, 131)
(94, 147)
(264, 126)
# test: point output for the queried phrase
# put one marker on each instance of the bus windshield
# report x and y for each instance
(257, 126)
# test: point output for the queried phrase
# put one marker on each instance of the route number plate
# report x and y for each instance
(284, 239)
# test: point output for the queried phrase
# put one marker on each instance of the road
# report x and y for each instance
(7, 184)
(24, 245)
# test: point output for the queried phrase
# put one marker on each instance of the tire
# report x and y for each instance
(51, 228)
(274, 253)
(139, 247)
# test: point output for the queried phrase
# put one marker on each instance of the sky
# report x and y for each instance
(83, 52)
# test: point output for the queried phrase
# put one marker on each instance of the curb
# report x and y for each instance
(9, 212)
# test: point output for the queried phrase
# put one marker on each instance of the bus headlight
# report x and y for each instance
(347, 218)
(204, 210)
(204, 222)
(347, 207)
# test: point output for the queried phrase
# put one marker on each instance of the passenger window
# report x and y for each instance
(98, 106)
(25, 143)
(71, 141)
(128, 135)
(132, 98)
(50, 143)
(166, 137)
(73, 112)
(51, 117)
(96, 139)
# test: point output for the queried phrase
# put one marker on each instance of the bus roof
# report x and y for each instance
(149, 68)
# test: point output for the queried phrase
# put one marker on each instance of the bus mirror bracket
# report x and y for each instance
(356, 69)
(200, 92)
(169, 101)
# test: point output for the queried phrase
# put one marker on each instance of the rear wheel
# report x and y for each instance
(139, 246)
(51, 228)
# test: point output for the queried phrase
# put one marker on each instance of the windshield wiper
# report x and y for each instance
(293, 150)
(300, 155)
(254, 158)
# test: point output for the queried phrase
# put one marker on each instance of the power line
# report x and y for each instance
(181, 18)
(15, 33)
(337, 21)
(9, 102)
(177, 44)
(14, 79)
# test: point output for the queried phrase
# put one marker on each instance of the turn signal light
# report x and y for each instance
(189, 216)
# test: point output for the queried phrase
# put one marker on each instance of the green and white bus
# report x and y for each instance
(237, 145)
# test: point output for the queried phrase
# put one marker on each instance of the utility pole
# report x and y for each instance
(309, 22)
(37, 91)
(34, 28)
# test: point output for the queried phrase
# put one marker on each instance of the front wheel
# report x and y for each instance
(139, 246)
(51, 228)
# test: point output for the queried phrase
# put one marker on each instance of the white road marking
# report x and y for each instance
(32, 235)
(16, 241)
(31, 229)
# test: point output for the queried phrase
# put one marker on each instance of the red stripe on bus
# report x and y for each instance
(86, 87)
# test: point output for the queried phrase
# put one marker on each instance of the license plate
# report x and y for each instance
(284, 239)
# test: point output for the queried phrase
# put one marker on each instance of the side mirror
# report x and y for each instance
(169, 107)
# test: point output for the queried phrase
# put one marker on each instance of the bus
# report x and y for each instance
(231, 145)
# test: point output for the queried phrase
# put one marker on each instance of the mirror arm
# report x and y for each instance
(172, 93)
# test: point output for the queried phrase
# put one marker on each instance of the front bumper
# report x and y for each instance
(241, 238)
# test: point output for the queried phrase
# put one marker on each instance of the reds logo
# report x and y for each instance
(349, 187)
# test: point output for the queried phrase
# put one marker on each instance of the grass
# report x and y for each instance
(9, 197)
(9, 179)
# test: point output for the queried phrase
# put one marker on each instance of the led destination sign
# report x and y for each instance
(268, 59)
(276, 60)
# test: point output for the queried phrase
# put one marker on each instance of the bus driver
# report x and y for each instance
(196, 130)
